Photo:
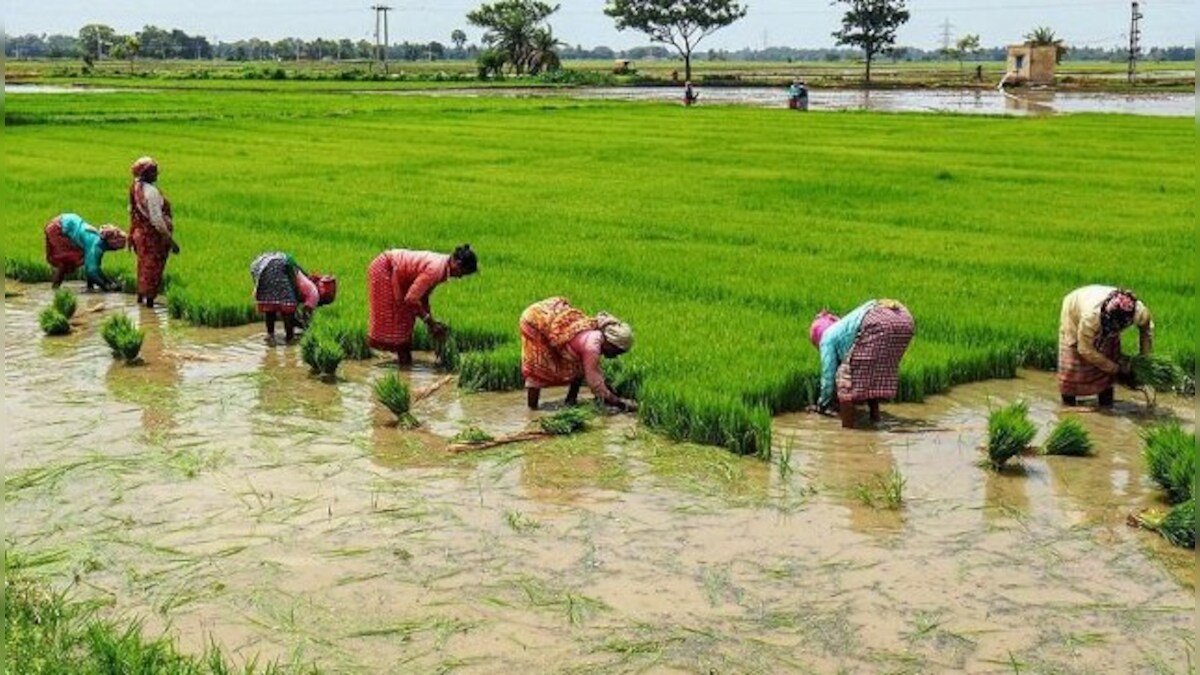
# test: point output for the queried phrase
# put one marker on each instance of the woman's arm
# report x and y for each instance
(829, 366)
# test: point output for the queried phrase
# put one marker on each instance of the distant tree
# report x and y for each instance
(967, 45)
(491, 63)
(1043, 36)
(542, 54)
(436, 51)
(94, 41)
(510, 26)
(871, 26)
(127, 48)
(683, 24)
(459, 38)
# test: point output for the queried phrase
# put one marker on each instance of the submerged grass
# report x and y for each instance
(1009, 433)
(883, 491)
(718, 353)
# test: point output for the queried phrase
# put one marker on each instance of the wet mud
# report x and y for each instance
(219, 491)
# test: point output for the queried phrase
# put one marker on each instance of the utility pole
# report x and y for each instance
(1135, 34)
(381, 11)
(947, 34)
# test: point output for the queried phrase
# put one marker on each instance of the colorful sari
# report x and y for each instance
(546, 329)
(61, 252)
(872, 369)
(275, 289)
(151, 247)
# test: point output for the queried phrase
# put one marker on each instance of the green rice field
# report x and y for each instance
(717, 232)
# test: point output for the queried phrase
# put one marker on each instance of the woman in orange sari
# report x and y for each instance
(151, 229)
(560, 345)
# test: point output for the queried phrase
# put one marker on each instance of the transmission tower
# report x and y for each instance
(1135, 34)
(947, 34)
(381, 18)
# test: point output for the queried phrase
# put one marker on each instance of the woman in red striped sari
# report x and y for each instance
(151, 229)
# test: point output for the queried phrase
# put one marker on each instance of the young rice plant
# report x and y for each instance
(1009, 433)
(1170, 454)
(393, 393)
(1070, 438)
(122, 337)
(53, 322)
(65, 302)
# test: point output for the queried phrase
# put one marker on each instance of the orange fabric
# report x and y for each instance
(547, 328)
(61, 253)
(150, 246)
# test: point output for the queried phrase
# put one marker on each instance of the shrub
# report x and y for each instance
(1069, 438)
(1009, 433)
(64, 302)
(566, 421)
(1170, 454)
(122, 337)
(53, 322)
(322, 353)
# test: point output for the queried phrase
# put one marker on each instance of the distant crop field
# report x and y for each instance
(717, 232)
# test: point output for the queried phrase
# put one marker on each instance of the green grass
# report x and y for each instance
(1170, 454)
(53, 322)
(122, 337)
(1009, 433)
(883, 491)
(697, 226)
(1070, 438)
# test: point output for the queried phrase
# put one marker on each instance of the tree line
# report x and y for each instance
(518, 38)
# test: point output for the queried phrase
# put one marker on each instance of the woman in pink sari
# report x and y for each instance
(399, 283)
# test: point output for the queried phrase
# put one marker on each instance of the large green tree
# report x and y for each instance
(511, 28)
(871, 26)
(679, 23)
(95, 40)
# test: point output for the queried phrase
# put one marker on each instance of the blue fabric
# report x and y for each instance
(87, 238)
(835, 346)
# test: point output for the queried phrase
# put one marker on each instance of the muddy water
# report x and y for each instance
(219, 491)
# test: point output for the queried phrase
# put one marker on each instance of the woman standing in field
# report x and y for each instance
(399, 283)
(1089, 340)
(560, 345)
(282, 288)
(860, 356)
(151, 229)
(71, 242)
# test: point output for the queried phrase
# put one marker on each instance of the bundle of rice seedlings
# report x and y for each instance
(122, 337)
(566, 421)
(1069, 438)
(1156, 373)
(323, 353)
(473, 435)
(394, 394)
(53, 322)
(1177, 526)
(1009, 433)
(447, 352)
(1170, 455)
(64, 302)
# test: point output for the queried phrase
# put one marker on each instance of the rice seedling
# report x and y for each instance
(1177, 525)
(520, 523)
(473, 435)
(122, 337)
(394, 394)
(1170, 454)
(1009, 433)
(1155, 373)
(322, 352)
(883, 491)
(64, 302)
(566, 421)
(1070, 438)
(53, 322)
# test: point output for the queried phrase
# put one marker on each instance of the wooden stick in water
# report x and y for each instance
(519, 437)
(430, 390)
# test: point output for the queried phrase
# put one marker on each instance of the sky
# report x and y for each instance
(796, 23)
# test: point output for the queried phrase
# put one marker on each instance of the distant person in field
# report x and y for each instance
(72, 243)
(860, 356)
(399, 283)
(562, 346)
(689, 94)
(1089, 340)
(151, 229)
(283, 289)
(798, 95)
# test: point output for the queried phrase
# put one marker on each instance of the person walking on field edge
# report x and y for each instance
(151, 229)
(71, 242)
(560, 345)
(399, 283)
(860, 356)
(282, 287)
(1089, 340)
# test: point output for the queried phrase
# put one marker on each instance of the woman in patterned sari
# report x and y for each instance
(860, 356)
(1089, 340)
(560, 345)
(72, 243)
(151, 229)
(283, 288)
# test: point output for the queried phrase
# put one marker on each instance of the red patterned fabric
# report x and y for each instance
(151, 247)
(547, 327)
(872, 369)
(399, 283)
(61, 253)
(1078, 377)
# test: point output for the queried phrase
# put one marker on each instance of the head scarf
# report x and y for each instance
(142, 166)
(824, 320)
(326, 287)
(616, 332)
(1116, 313)
(113, 238)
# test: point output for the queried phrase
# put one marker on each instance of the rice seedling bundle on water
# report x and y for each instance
(1069, 438)
(323, 353)
(566, 421)
(1009, 433)
(53, 322)
(64, 302)
(1170, 454)
(394, 394)
(122, 337)
(1156, 373)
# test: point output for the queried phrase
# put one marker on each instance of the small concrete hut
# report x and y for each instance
(1031, 64)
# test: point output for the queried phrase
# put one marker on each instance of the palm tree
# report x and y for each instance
(541, 51)
(1043, 36)
(459, 38)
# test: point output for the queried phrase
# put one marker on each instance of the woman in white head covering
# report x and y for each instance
(560, 345)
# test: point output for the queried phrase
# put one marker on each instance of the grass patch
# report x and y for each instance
(1009, 433)
(1069, 438)
(122, 337)
(473, 435)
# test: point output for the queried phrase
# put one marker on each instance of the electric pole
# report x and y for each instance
(1135, 33)
(381, 12)
(947, 35)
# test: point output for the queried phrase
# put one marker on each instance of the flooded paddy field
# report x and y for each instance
(218, 491)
